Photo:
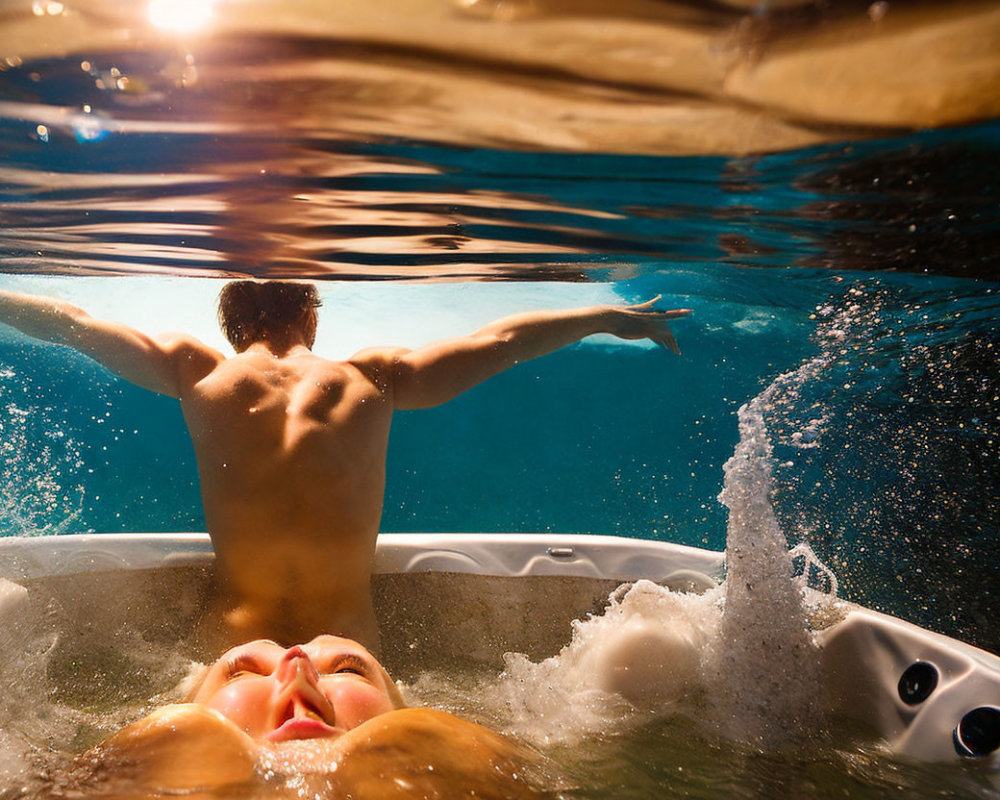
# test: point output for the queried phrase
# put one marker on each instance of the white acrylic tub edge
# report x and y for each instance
(514, 555)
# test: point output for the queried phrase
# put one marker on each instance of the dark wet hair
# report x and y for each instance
(253, 310)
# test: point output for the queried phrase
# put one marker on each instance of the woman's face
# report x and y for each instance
(320, 689)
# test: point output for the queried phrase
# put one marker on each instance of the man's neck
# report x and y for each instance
(279, 349)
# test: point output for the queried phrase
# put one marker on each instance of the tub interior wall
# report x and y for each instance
(428, 620)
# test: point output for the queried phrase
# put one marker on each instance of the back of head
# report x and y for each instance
(251, 311)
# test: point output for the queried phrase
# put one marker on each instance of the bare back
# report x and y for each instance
(291, 454)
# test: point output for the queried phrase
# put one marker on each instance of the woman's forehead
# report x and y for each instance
(324, 644)
(256, 646)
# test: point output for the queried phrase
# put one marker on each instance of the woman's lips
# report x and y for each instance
(302, 728)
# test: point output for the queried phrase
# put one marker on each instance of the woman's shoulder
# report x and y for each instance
(171, 750)
(435, 754)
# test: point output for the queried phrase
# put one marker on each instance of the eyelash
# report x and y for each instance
(351, 664)
(243, 663)
(238, 664)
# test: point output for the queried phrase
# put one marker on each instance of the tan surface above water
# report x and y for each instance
(632, 77)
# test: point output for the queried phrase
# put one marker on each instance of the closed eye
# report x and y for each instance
(243, 664)
(350, 664)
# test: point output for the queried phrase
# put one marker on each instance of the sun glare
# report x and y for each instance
(180, 15)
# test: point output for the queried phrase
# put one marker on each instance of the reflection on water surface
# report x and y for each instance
(375, 141)
(192, 203)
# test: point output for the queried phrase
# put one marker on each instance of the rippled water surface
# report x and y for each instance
(819, 183)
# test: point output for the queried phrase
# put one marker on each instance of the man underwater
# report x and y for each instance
(291, 447)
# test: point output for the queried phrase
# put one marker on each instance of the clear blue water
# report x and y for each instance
(873, 251)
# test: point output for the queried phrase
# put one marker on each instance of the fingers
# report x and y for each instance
(663, 335)
(668, 341)
(646, 309)
(673, 313)
(647, 304)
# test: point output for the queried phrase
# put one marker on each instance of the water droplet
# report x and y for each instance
(877, 11)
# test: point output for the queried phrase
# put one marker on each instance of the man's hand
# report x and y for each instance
(643, 322)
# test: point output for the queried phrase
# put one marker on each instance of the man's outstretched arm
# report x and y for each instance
(160, 364)
(436, 373)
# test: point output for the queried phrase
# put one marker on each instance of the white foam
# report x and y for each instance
(765, 662)
(641, 657)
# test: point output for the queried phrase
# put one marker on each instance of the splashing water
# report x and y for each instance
(764, 663)
(38, 461)
(67, 685)
(641, 658)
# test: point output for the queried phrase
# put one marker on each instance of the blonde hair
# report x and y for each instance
(392, 689)
(191, 683)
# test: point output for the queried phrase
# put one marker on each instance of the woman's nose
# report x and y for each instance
(295, 663)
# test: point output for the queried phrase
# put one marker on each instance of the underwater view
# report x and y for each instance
(818, 182)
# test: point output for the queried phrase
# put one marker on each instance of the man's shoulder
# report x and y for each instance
(381, 353)
(377, 364)
(186, 344)
(193, 358)
(376, 358)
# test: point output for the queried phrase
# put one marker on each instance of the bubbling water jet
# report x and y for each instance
(763, 664)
